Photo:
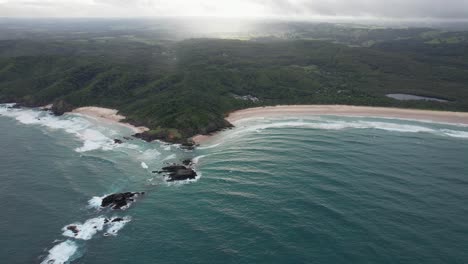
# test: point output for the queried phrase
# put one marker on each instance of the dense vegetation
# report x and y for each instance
(180, 88)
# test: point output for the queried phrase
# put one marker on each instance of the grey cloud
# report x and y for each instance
(448, 9)
(393, 9)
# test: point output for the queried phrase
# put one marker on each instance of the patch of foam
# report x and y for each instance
(144, 165)
(167, 148)
(87, 230)
(79, 126)
(455, 133)
(210, 147)
(61, 253)
(197, 159)
(96, 202)
(334, 125)
(149, 154)
(115, 227)
(129, 146)
(94, 140)
(172, 156)
(395, 127)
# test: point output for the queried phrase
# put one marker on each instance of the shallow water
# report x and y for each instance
(304, 190)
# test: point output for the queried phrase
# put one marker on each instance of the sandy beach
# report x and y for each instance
(343, 110)
(107, 115)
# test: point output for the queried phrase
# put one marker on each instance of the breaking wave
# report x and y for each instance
(456, 134)
(265, 124)
(197, 159)
(68, 250)
(96, 202)
(170, 157)
(84, 231)
(210, 147)
(92, 226)
(116, 226)
(61, 253)
(93, 137)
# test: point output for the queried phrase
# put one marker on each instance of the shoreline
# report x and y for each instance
(342, 110)
(107, 115)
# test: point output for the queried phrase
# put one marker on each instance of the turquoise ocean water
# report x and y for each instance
(290, 190)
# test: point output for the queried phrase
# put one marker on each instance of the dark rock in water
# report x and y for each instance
(188, 146)
(187, 162)
(184, 174)
(73, 228)
(118, 141)
(179, 173)
(119, 200)
(60, 107)
(117, 219)
(173, 168)
(146, 136)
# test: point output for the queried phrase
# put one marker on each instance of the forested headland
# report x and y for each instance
(182, 87)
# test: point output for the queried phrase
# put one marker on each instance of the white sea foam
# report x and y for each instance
(210, 147)
(144, 165)
(339, 125)
(61, 253)
(115, 226)
(393, 127)
(150, 154)
(455, 133)
(94, 140)
(167, 147)
(85, 231)
(197, 159)
(170, 157)
(342, 124)
(96, 202)
(93, 136)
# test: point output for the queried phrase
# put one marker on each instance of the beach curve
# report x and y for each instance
(460, 118)
(107, 115)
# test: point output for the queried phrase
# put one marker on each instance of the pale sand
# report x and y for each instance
(343, 110)
(107, 115)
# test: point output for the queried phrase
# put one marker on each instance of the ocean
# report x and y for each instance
(272, 190)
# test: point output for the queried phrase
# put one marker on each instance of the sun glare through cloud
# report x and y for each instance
(302, 9)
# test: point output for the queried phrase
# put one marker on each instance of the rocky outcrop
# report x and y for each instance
(166, 136)
(118, 141)
(178, 173)
(73, 228)
(61, 107)
(120, 200)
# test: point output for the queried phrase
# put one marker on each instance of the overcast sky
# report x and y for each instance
(406, 9)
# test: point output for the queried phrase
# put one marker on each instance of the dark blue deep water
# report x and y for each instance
(303, 190)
